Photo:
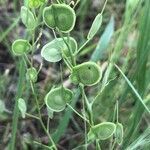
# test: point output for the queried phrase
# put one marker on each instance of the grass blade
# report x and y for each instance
(134, 90)
(16, 109)
(104, 41)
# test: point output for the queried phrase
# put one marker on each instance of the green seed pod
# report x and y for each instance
(57, 98)
(21, 47)
(119, 133)
(102, 131)
(28, 18)
(32, 74)
(74, 79)
(95, 26)
(61, 16)
(22, 107)
(50, 113)
(87, 73)
(48, 17)
(34, 3)
(72, 44)
(52, 51)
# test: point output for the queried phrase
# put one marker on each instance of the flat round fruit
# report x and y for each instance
(21, 47)
(57, 98)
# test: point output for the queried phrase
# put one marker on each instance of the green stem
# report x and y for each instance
(84, 118)
(81, 48)
(40, 117)
(32, 116)
(113, 146)
(16, 109)
(85, 126)
(98, 145)
(42, 145)
(104, 6)
(88, 105)
(69, 49)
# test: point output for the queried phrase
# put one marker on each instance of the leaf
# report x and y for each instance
(28, 18)
(104, 41)
(95, 26)
(22, 107)
(102, 131)
(134, 90)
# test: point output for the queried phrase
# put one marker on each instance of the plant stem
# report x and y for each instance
(85, 119)
(80, 49)
(32, 116)
(40, 117)
(16, 109)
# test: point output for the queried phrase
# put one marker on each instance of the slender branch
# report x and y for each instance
(40, 117)
(84, 118)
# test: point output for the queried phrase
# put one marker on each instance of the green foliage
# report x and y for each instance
(97, 103)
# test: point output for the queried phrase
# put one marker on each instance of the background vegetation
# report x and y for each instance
(123, 39)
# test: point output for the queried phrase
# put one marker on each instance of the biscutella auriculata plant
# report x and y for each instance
(61, 19)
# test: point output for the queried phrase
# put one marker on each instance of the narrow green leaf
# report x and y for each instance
(95, 26)
(134, 90)
(104, 41)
